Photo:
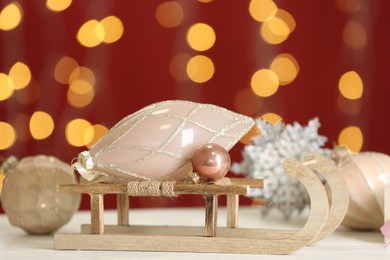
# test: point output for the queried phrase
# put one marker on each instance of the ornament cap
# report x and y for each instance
(9, 163)
(341, 155)
(84, 166)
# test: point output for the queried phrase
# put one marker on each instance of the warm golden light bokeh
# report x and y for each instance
(91, 34)
(264, 83)
(254, 132)
(287, 18)
(82, 73)
(58, 5)
(201, 37)
(81, 86)
(10, 16)
(351, 85)
(352, 138)
(113, 29)
(77, 133)
(64, 67)
(6, 87)
(97, 131)
(81, 90)
(169, 14)
(200, 68)
(80, 100)
(41, 125)
(7, 136)
(262, 10)
(275, 31)
(272, 118)
(286, 67)
(20, 74)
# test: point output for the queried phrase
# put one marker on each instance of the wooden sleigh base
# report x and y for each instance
(325, 216)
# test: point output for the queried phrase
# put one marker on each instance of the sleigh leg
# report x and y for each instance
(122, 206)
(97, 214)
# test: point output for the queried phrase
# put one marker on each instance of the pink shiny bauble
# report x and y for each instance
(366, 174)
(211, 161)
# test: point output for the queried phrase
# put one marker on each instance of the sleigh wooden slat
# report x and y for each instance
(326, 214)
(232, 187)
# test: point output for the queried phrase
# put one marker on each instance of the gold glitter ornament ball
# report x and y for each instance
(30, 197)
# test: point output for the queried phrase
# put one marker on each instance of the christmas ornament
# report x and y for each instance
(5, 165)
(30, 197)
(385, 230)
(211, 162)
(158, 141)
(263, 159)
(366, 174)
(2, 176)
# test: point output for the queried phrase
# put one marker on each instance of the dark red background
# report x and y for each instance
(133, 72)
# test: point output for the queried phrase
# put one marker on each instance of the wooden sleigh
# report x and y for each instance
(325, 216)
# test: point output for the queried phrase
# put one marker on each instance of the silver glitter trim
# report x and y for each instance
(147, 113)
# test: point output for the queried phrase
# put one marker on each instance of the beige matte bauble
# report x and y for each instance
(30, 197)
(366, 175)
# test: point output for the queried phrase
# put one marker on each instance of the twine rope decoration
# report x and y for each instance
(151, 188)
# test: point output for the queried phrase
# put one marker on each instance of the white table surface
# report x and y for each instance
(344, 243)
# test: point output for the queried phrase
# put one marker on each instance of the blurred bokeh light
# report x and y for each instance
(11, 16)
(58, 5)
(70, 70)
(169, 14)
(41, 125)
(352, 138)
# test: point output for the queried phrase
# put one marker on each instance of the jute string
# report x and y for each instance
(151, 188)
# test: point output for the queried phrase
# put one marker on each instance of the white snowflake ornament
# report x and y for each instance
(263, 159)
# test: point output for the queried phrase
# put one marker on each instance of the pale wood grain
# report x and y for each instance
(319, 204)
(235, 186)
(97, 213)
(232, 203)
(122, 206)
(171, 243)
(337, 192)
(253, 183)
(211, 215)
(97, 188)
(247, 233)
(343, 243)
(239, 241)
(211, 189)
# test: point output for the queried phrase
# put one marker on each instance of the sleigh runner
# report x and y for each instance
(325, 215)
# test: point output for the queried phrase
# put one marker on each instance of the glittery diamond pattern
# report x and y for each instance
(158, 141)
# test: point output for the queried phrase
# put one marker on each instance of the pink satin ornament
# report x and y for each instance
(211, 162)
(385, 229)
(158, 141)
(366, 175)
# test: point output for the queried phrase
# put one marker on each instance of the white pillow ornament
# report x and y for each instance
(158, 141)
